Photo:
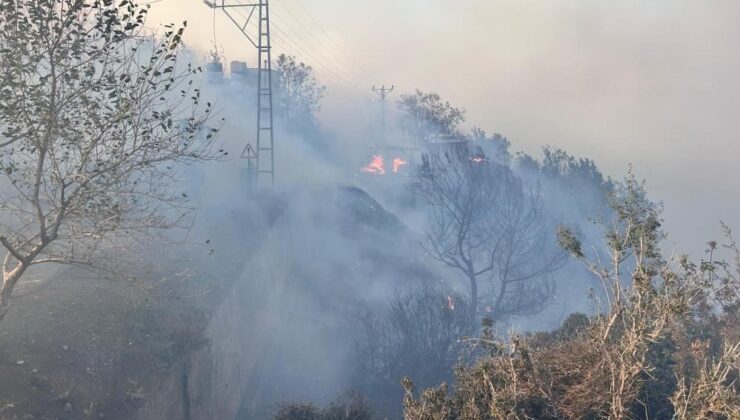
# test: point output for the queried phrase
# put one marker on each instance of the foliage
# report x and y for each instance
(494, 147)
(428, 118)
(665, 346)
(585, 190)
(557, 163)
(299, 93)
(94, 118)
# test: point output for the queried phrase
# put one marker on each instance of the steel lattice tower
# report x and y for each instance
(265, 132)
(265, 151)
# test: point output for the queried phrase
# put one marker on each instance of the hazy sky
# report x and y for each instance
(655, 83)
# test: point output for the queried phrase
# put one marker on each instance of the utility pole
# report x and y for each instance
(383, 93)
(265, 151)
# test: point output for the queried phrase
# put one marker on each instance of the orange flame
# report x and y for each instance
(398, 163)
(376, 166)
(450, 303)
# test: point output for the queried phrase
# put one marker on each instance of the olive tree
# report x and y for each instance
(95, 117)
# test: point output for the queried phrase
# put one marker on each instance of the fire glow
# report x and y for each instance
(377, 165)
(398, 163)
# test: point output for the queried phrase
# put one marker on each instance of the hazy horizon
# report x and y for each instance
(653, 84)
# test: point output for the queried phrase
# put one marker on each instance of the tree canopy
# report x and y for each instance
(95, 116)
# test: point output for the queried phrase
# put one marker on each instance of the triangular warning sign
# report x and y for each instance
(249, 152)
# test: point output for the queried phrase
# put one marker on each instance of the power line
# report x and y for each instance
(340, 60)
(283, 40)
(307, 55)
(322, 55)
(328, 35)
(301, 48)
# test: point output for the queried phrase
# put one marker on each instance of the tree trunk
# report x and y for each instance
(9, 283)
(4, 305)
(473, 301)
(496, 314)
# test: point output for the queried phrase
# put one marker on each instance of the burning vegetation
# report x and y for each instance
(377, 164)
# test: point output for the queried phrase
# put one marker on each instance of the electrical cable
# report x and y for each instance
(328, 35)
(342, 62)
(292, 46)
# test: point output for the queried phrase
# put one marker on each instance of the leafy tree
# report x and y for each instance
(558, 163)
(585, 189)
(299, 93)
(94, 118)
(428, 118)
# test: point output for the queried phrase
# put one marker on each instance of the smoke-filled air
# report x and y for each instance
(336, 210)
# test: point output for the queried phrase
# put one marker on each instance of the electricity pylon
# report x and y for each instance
(383, 93)
(265, 150)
